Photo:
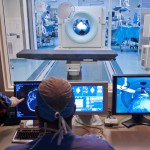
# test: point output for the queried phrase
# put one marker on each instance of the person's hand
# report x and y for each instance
(15, 101)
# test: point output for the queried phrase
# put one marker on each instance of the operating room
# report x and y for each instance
(56, 25)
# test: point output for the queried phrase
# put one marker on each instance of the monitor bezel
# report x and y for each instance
(100, 83)
(114, 92)
(24, 117)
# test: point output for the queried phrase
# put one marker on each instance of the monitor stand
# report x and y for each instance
(31, 123)
(80, 120)
(137, 119)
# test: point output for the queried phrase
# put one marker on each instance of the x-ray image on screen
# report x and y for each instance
(27, 90)
(133, 95)
(31, 99)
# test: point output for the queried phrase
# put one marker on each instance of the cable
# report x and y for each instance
(110, 115)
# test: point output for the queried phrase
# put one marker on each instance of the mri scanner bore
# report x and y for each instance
(77, 27)
(81, 26)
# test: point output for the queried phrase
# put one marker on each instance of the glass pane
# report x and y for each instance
(49, 23)
(126, 32)
(20, 69)
(50, 30)
(144, 11)
(46, 23)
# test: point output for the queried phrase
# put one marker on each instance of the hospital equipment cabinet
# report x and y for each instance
(145, 56)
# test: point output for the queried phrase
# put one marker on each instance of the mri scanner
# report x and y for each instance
(83, 28)
(80, 28)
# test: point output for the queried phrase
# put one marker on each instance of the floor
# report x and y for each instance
(22, 69)
(129, 61)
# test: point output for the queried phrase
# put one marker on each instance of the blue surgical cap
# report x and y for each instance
(48, 113)
(55, 95)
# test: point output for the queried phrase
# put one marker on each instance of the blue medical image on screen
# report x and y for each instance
(89, 98)
(28, 91)
(31, 100)
(133, 95)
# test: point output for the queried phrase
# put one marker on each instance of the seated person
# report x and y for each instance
(55, 109)
(5, 103)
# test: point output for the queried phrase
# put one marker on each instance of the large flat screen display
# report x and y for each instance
(131, 95)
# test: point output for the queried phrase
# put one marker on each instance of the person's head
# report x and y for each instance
(48, 8)
(55, 98)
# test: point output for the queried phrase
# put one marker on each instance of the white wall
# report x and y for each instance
(13, 25)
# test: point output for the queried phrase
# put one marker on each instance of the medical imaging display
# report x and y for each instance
(133, 95)
(27, 90)
(89, 98)
(81, 26)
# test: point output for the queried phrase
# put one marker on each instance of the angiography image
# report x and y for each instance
(27, 107)
(31, 99)
(133, 95)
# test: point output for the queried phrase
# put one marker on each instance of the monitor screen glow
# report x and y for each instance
(90, 98)
(131, 94)
(27, 90)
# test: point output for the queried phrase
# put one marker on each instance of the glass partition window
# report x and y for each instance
(14, 32)
(36, 25)
(46, 23)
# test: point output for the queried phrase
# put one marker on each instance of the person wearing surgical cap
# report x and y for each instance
(55, 109)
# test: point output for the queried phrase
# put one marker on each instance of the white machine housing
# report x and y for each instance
(95, 38)
(146, 27)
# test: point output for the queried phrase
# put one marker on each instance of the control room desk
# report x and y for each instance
(135, 138)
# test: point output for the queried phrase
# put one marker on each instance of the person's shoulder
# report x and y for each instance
(18, 147)
(94, 142)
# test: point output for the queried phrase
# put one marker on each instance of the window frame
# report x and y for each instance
(5, 81)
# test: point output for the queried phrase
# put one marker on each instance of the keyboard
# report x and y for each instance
(25, 135)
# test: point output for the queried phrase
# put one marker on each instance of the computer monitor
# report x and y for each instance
(28, 90)
(91, 99)
(131, 96)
